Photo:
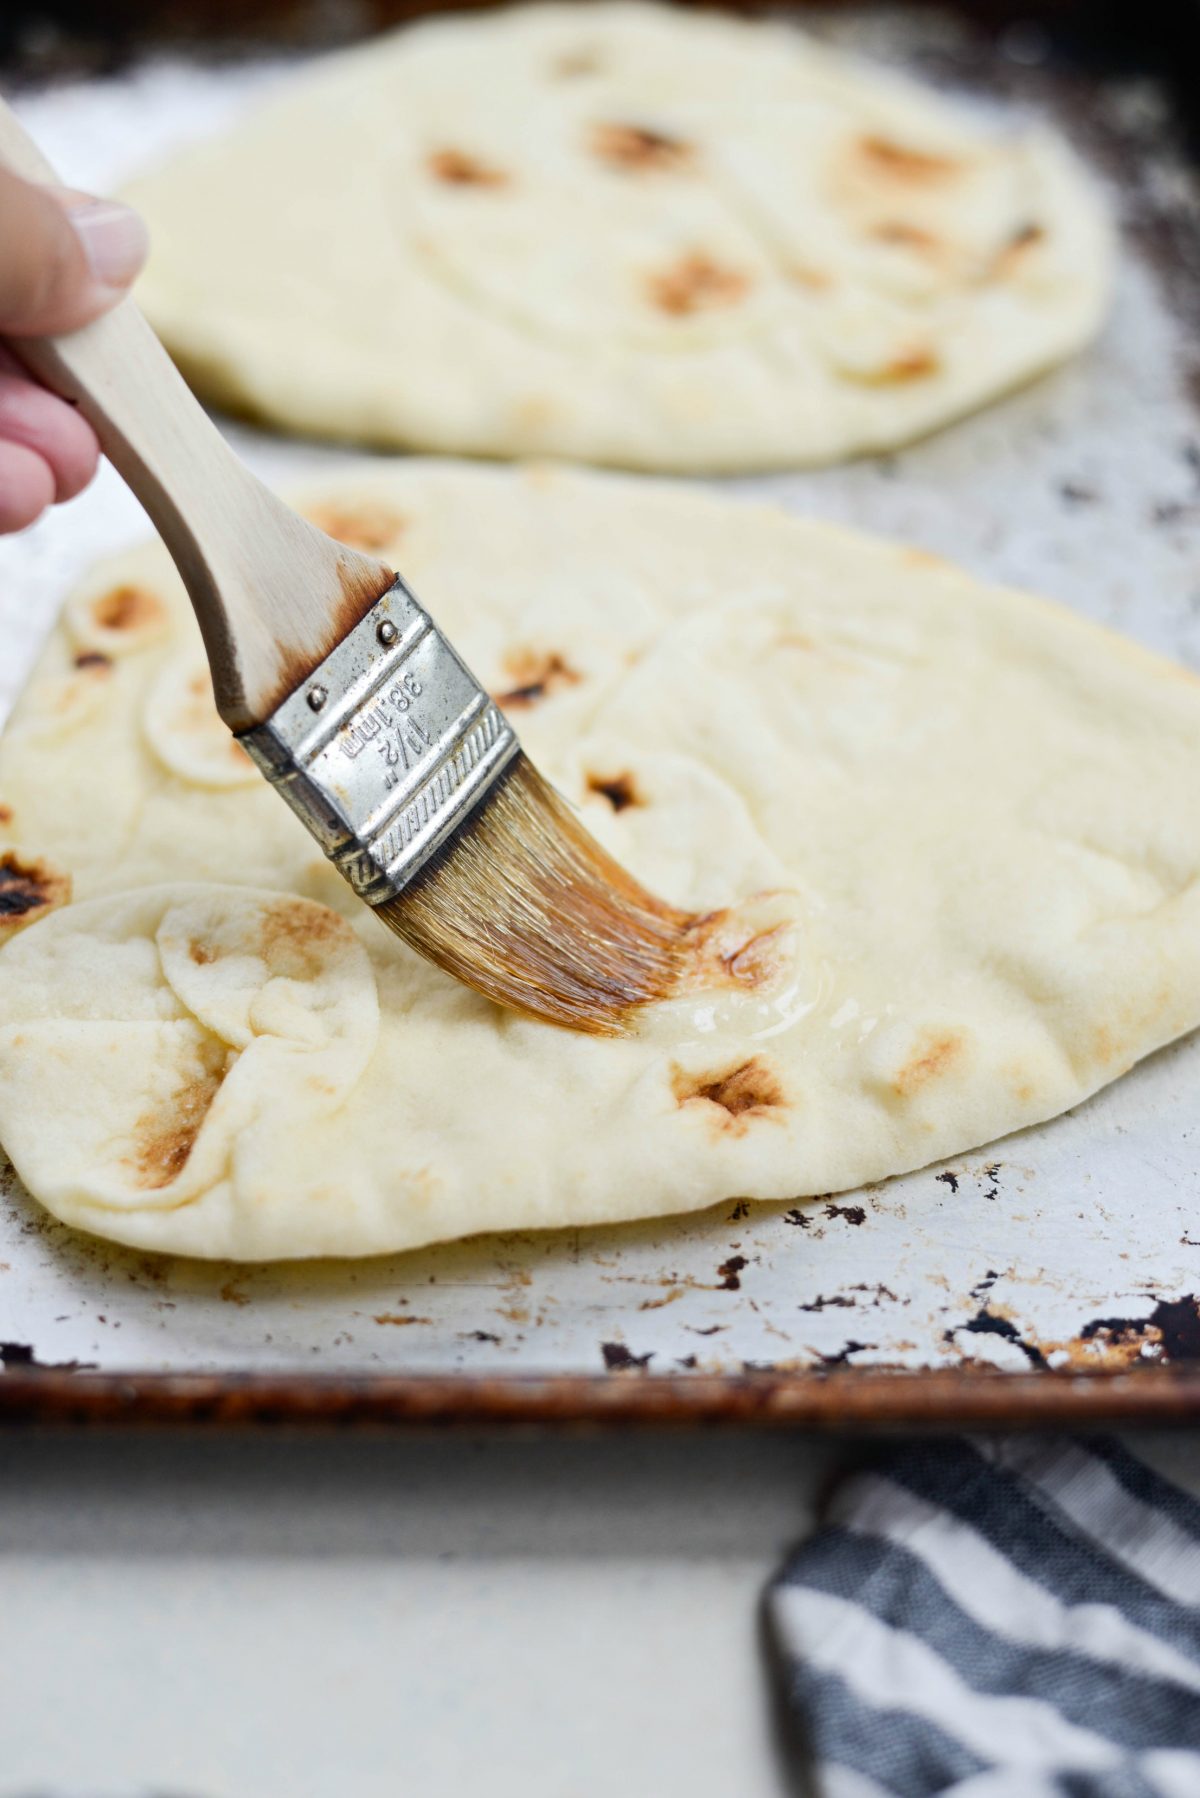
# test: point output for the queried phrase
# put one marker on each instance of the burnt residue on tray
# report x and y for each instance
(851, 1214)
(21, 1355)
(616, 1355)
(730, 1273)
(842, 1357)
(874, 1296)
(1169, 1335)
(987, 1323)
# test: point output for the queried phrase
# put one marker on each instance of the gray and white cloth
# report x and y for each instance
(1014, 1618)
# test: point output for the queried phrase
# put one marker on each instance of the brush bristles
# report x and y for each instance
(525, 906)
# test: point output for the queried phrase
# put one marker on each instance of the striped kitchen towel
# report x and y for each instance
(1013, 1618)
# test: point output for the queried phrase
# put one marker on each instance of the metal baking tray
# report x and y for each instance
(1049, 1278)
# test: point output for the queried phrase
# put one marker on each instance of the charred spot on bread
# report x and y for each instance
(916, 364)
(293, 937)
(573, 64)
(639, 149)
(364, 524)
(166, 1137)
(725, 949)
(127, 609)
(621, 790)
(29, 888)
(933, 1055)
(805, 274)
(536, 674)
(458, 168)
(906, 236)
(900, 162)
(694, 283)
(1010, 256)
(743, 1092)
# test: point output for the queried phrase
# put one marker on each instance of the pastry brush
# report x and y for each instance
(360, 712)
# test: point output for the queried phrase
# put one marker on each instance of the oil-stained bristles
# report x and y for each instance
(524, 905)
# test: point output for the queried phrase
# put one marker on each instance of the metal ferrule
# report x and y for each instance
(386, 747)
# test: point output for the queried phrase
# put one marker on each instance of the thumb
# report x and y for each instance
(64, 257)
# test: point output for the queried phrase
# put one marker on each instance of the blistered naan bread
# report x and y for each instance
(950, 834)
(624, 234)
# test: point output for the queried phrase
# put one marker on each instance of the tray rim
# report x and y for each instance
(846, 1401)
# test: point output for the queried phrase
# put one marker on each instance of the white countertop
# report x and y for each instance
(363, 1617)
(355, 1617)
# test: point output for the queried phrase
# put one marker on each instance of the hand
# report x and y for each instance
(64, 258)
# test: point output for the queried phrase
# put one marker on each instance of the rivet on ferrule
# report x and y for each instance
(406, 743)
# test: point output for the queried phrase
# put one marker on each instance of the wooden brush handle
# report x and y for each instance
(273, 594)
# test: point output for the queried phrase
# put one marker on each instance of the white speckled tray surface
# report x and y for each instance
(1072, 1246)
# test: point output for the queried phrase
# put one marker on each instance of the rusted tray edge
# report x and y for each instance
(832, 1403)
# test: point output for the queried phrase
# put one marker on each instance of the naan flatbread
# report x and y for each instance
(619, 233)
(949, 834)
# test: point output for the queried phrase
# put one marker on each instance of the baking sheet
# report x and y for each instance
(1072, 1247)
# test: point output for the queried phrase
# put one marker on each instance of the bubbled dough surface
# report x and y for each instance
(623, 234)
(955, 829)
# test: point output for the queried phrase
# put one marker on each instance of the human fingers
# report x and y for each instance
(26, 486)
(64, 257)
(54, 430)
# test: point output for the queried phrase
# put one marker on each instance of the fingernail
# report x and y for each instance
(114, 239)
